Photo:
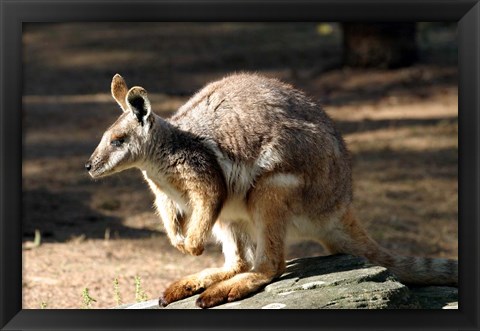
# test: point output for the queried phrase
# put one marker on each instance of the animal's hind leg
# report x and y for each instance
(346, 235)
(235, 244)
(270, 212)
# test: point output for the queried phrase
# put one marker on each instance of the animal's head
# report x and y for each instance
(123, 144)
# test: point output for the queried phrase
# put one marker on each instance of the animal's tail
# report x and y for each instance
(353, 239)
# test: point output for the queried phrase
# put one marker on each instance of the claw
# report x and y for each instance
(162, 302)
(201, 303)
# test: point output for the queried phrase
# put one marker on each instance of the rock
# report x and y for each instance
(332, 282)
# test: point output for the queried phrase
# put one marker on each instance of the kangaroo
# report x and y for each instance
(250, 160)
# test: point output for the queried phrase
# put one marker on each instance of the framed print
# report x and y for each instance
(350, 124)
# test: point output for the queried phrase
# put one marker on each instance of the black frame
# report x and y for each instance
(14, 12)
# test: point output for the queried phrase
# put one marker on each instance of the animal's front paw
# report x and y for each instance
(179, 244)
(193, 247)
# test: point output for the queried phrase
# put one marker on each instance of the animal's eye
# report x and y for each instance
(117, 142)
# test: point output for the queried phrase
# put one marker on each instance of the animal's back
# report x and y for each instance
(258, 125)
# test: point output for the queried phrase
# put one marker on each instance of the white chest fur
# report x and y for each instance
(161, 187)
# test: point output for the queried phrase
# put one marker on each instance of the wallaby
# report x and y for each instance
(251, 160)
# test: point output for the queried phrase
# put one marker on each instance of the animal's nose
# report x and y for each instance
(88, 166)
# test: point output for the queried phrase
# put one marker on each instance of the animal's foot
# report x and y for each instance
(178, 290)
(222, 293)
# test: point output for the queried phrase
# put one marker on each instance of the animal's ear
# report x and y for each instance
(138, 103)
(119, 91)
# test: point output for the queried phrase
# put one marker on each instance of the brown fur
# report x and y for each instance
(252, 160)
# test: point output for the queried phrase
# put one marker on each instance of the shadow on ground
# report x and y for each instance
(66, 216)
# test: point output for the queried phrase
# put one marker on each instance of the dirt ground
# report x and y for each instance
(400, 125)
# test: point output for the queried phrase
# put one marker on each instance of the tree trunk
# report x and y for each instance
(379, 45)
